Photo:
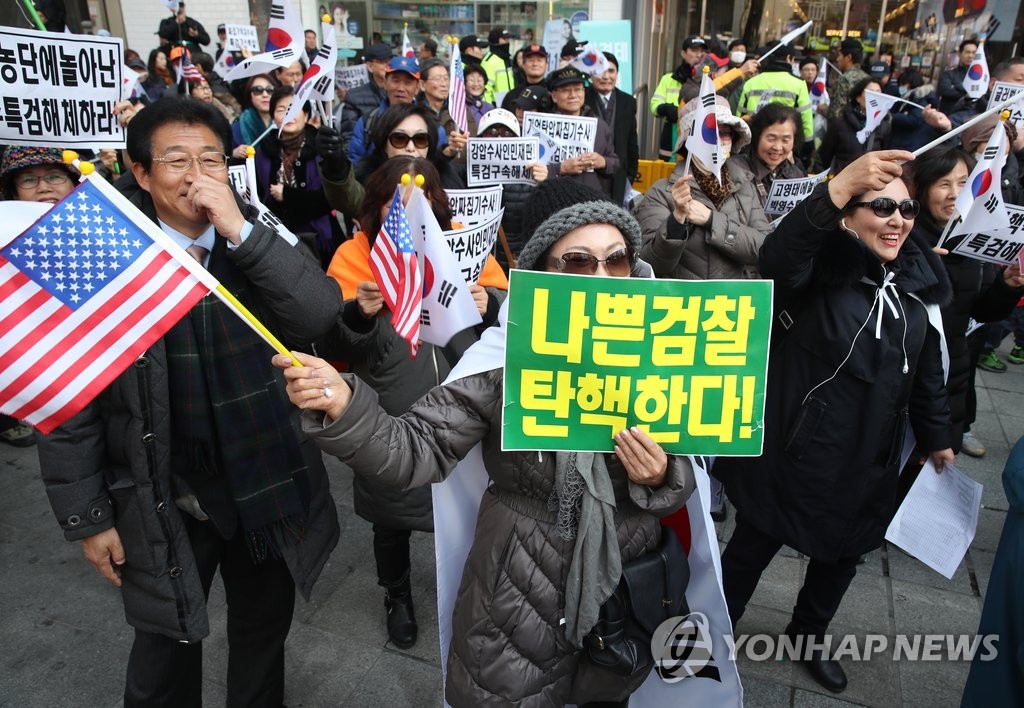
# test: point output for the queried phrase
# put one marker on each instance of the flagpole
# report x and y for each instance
(33, 14)
(787, 39)
(973, 121)
(177, 252)
(950, 225)
(262, 135)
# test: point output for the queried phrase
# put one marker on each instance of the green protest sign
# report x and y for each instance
(586, 357)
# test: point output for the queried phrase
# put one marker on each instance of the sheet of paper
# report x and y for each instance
(937, 520)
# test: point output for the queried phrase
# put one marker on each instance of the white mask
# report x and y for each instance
(737, 57)
(904, 90)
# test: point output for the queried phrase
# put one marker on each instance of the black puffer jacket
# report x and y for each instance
(838, 399)
(110, 465)
(979, 291)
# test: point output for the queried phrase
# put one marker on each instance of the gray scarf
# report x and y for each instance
(585, 501)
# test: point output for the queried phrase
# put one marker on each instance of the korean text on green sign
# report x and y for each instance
(587, 356)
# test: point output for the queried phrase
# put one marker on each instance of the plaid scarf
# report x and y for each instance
(229, 417)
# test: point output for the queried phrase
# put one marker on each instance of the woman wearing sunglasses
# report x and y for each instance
(509, 641)
(855, 355)
(408, 129)
(695, 227)
(255, 117)
(980, 290)
(367, 341)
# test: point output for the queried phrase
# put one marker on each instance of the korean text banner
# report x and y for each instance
(1003, 248)
(471, 207)
(587, 356)
(59, 90)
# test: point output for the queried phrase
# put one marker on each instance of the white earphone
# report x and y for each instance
(847, 229)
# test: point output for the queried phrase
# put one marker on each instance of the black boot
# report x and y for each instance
(402, 627)
(826, 671)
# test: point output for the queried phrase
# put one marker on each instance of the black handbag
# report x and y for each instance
(652, 589)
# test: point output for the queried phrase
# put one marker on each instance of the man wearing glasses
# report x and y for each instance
(189, 461)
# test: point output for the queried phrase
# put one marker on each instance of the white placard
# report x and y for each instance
(472, 245)
(500, 160)
(59, 90)
(1003, 249)
(241, 37)
(236, 176)
(937, 520)
(351, 76)
(1002, 91)
(471, 207)
(787, 193)
(575, 135)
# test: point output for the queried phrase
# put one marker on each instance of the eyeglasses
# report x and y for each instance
(885, 206)
(618, 264)
(182, 162)
(400, 140)
(32, 181)
(257, 90)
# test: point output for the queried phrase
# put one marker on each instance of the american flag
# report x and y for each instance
(189, 72)
(457, 92)
(395, 268)
(83, 293)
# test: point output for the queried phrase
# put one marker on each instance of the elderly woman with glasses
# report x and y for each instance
(32, 174)
(854, 358)
(530, 591)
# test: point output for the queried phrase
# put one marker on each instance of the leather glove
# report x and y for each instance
(334, 163)
(669, 112)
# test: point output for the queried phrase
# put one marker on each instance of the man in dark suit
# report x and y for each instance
(618, 109)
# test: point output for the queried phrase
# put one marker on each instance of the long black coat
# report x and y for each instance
(624, 136)
(838, 398)
(979, 291)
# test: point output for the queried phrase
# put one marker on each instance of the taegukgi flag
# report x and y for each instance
(980, 202)
(876, 108)
(977, 77)
(448, 306)
(702, 142)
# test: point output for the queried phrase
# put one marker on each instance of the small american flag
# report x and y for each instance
(457, 92)
(394, 265)
(189, 72)
(83, 292)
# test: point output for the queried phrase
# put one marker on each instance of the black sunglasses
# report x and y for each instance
(257, 90)
(618, 264)
(400, 140)
(885, 206)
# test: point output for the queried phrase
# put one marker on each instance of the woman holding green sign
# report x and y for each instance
(854, 357)
(554, 528)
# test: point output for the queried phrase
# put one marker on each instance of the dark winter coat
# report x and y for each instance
(304, 208)
(952, 93)
(360, 101)
(841, 147)
(979, 291)
(999, 680)
(601, 180)
(726, 247)
(838, 400)
(909, 131)
(508, 647)
(110, 465)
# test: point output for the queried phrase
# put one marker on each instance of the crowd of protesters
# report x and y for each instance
(864, 293)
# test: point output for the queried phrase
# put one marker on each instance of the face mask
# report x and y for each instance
(737, 57)
(904, 90)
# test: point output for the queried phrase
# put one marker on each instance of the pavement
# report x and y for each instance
(66, 642)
